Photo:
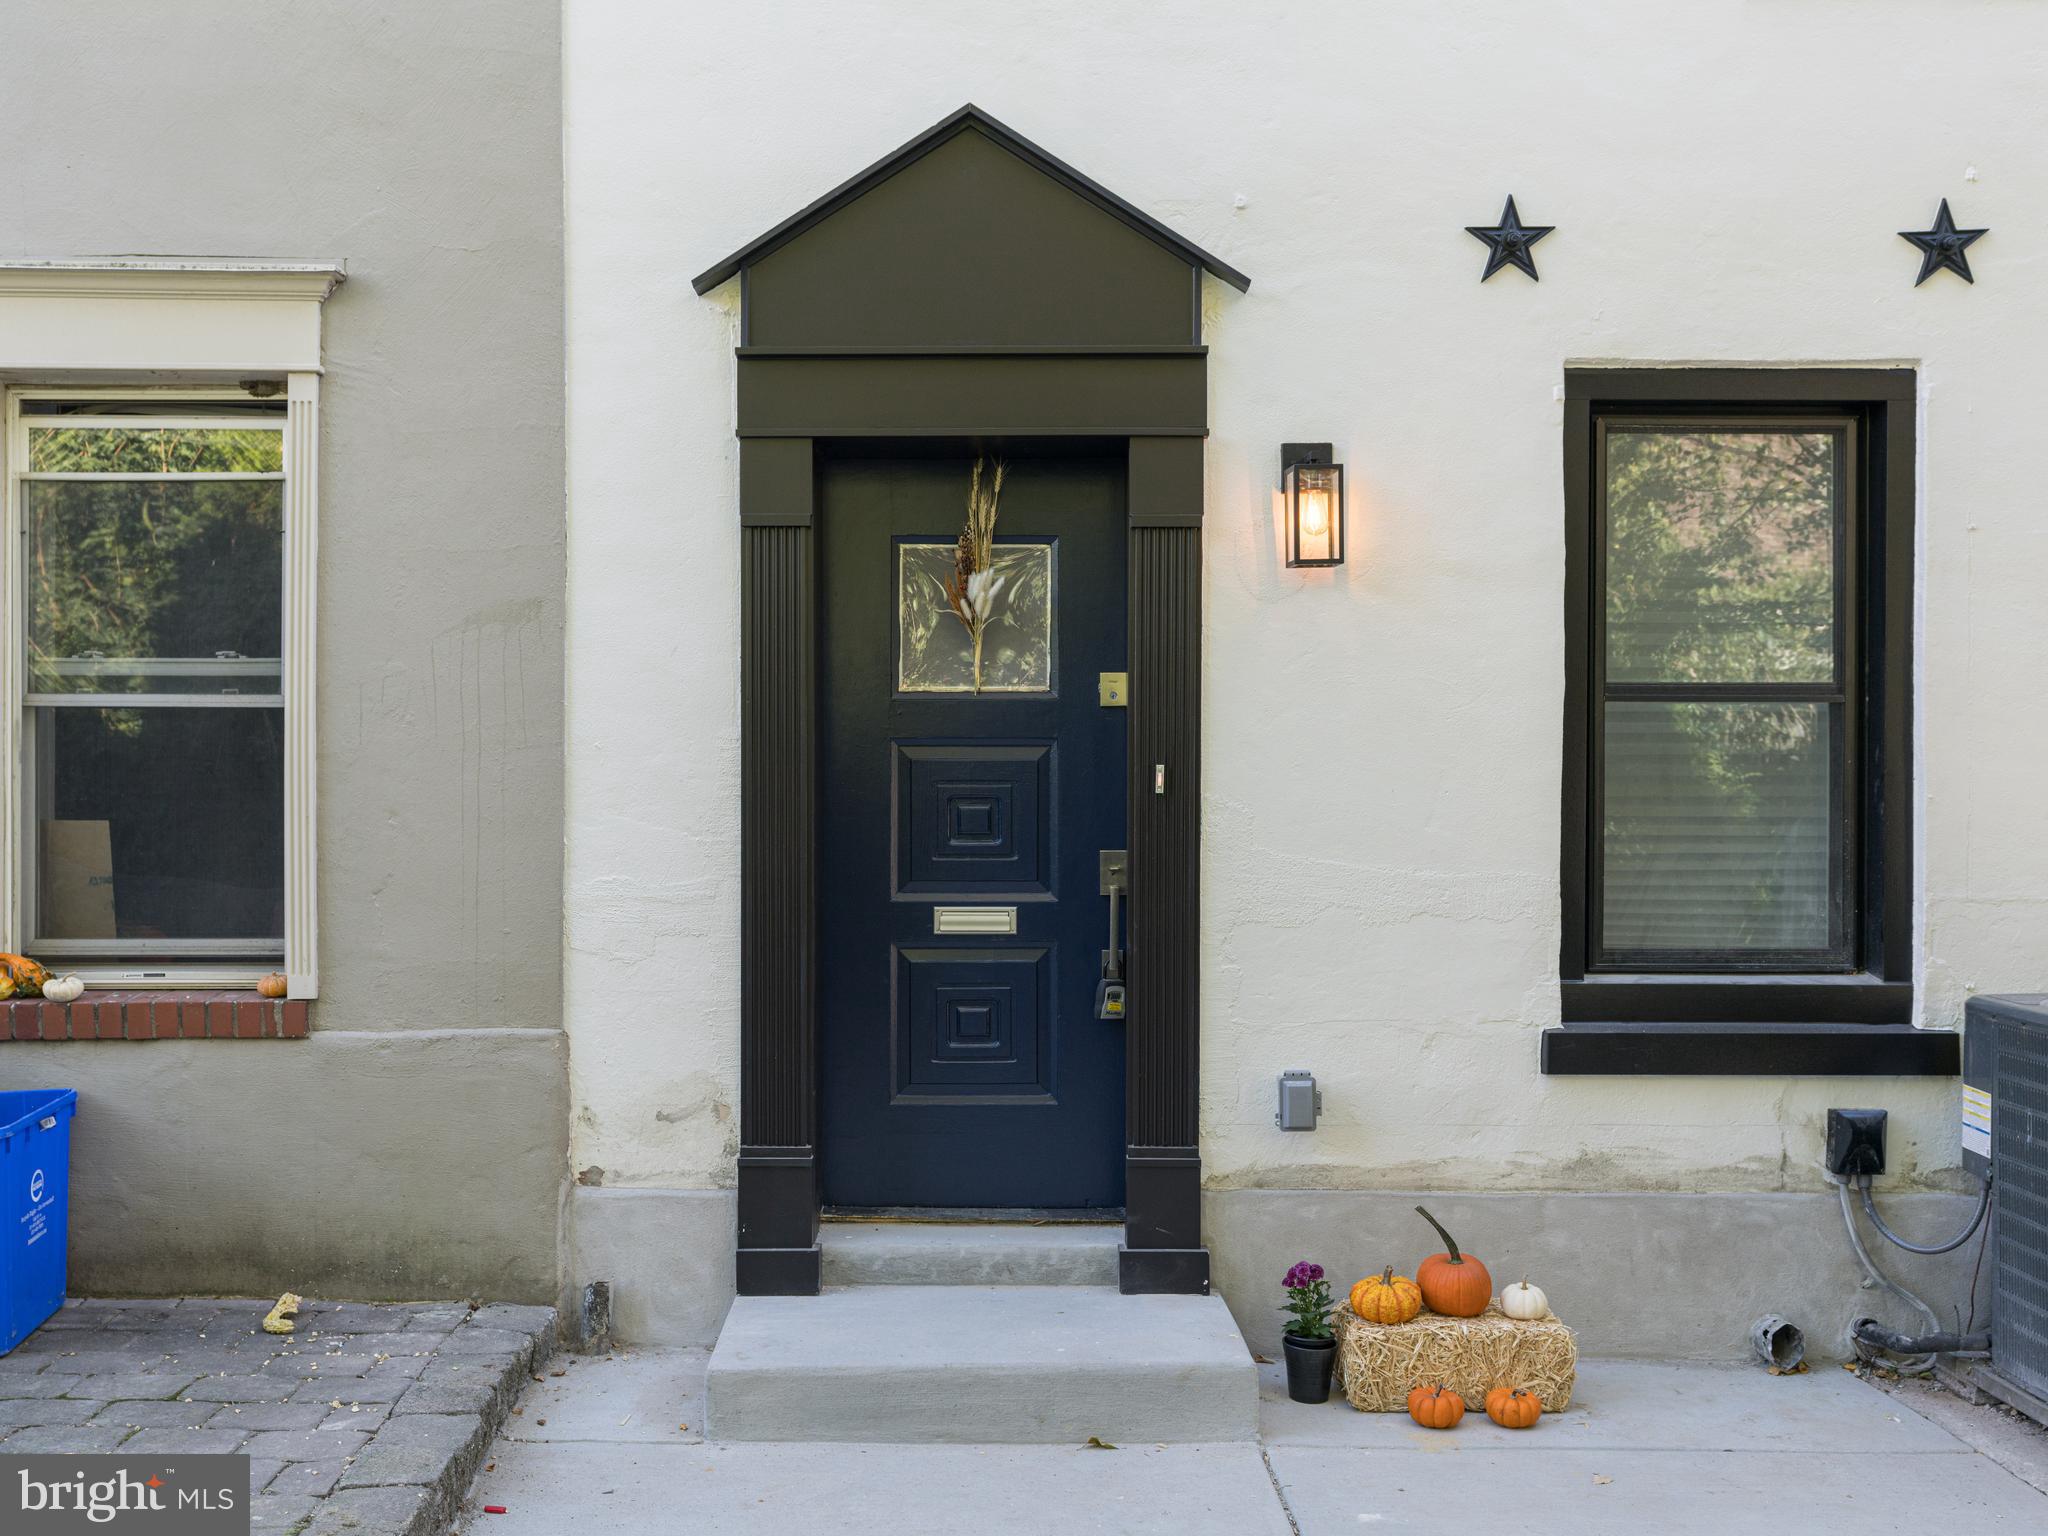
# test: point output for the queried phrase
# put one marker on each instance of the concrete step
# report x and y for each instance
(960, 1364)
(968, 1253)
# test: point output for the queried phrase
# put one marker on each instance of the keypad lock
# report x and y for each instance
(1114, 867)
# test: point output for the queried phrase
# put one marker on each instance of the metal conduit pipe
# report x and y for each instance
(1920, 1361)
(1870, 1331)
(1870, 1210)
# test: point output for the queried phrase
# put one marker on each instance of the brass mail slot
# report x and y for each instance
(974, 919)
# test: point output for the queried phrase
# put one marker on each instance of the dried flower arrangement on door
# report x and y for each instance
(975, 615)
(974, 587)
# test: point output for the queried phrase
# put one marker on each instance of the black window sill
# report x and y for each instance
(1768, 1000)
(1749, 1049)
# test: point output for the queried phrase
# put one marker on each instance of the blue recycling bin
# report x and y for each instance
(35, 1203)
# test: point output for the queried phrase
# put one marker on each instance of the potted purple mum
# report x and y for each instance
(1311, 1351)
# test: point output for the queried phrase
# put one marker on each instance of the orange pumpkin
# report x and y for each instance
(21, 977)
(273, 985)
(1386, 1298)
(1513, 1407)
(1436, 1407)
(1455, 1284)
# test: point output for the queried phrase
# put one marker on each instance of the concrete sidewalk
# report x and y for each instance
(614, 1445)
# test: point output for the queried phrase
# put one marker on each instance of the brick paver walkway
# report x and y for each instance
(367, 1421)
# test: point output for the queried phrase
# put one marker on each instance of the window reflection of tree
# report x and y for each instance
(154, 568)
(1720, 562)
(147, 570)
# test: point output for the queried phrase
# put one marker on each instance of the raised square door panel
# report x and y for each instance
(972, 822)
(973, 1024)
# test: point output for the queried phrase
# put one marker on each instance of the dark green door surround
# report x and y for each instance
(970, 288)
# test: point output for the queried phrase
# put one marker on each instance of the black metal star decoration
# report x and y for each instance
(1508, 241)
(1943, 246)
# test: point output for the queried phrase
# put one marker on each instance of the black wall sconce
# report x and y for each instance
(1315, 504)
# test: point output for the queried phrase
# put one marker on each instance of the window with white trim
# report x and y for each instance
(149, 638)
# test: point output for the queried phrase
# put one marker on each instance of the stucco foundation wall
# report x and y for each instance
(1676, 1276)
(667, 1254)
(1382, 743)
(420, 144)
(370, 1164)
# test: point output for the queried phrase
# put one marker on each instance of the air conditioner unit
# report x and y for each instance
(2005, 1136)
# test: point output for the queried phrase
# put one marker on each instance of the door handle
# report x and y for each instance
(1114, 867)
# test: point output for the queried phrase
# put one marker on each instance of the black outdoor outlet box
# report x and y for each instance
(1855, 1142)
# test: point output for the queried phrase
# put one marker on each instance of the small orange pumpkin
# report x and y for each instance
(1455, 1284)
(273, 985)
(1513, 1407)
(21, 976)
(1386, 1298)
(1436, 1407)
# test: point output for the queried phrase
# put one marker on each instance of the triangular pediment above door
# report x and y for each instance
(970, 236)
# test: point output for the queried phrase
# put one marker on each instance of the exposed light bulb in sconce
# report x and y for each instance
(1315, 514)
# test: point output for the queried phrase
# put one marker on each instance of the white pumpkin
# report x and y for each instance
(1524, 1302)
(63, 989)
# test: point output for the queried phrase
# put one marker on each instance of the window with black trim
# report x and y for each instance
(1737, 609)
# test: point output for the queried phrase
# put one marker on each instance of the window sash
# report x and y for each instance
(1841, 697)
(161, 949)
(169, 962)
(201, 419)
(154, 700)
(139, 475)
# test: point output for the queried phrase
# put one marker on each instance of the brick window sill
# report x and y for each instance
(192, 1015)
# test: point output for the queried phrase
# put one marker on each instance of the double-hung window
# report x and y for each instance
(1736, 770)
(1723, 714)
(150, 641)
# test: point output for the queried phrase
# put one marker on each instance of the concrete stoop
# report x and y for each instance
(959, 1364)
(937, 1253)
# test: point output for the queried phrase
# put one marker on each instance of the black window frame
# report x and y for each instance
(1852, 1013)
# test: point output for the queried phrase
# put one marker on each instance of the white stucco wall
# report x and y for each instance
(1382, 747)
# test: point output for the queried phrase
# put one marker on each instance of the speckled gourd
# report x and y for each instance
(1386, 1298)
(21, 977)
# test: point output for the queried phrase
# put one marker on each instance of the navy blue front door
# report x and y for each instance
(961, 918)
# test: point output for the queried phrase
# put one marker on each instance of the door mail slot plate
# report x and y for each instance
(974, 919)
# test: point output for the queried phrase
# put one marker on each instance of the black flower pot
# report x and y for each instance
(1309, 1364)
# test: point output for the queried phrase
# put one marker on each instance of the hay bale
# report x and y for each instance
(1379, 1364)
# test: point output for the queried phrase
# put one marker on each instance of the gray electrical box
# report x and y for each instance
(1300, 1102)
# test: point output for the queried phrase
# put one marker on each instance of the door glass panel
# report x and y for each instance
(935, 648)
(1720, 556)
(1716, 827)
